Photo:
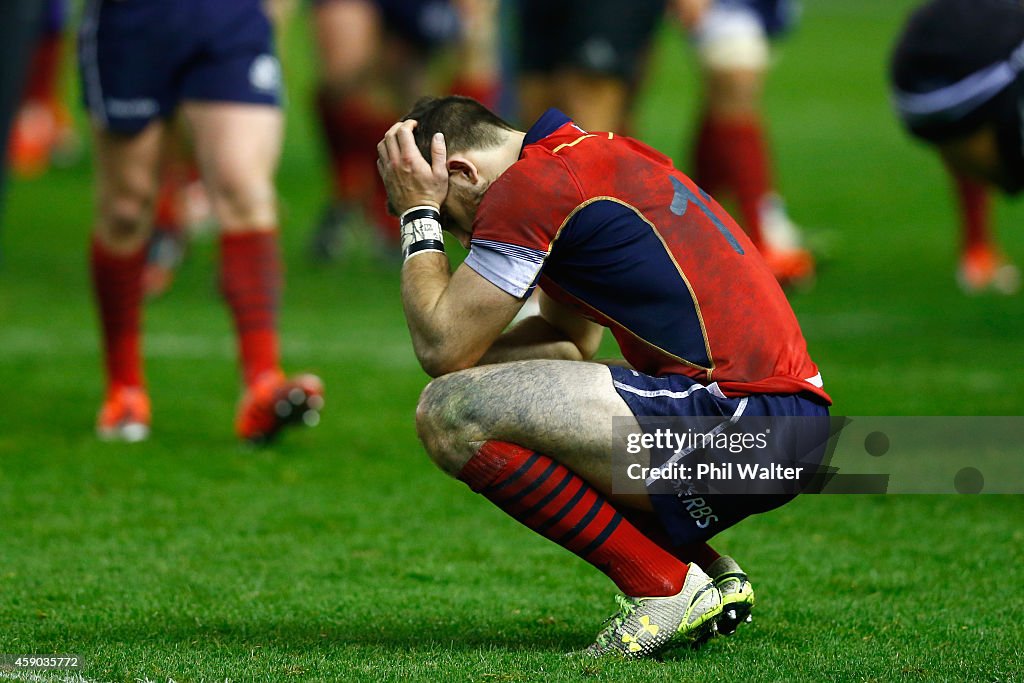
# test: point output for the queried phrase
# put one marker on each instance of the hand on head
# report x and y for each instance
(411, 181)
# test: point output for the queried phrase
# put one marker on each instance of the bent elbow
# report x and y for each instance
(438, 364)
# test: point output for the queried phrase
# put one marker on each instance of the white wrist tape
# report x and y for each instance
(421, 231)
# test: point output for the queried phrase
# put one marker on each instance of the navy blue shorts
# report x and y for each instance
(691, 515)
(55, 17)
(424, 23)
(139, 59)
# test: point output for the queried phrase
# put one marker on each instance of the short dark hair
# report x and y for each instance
(464, 122)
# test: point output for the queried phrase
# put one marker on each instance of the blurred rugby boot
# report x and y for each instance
(737, 593)
(167, 244)
(645, 627)
(782, 248)
(165, 255)
(327, 241)
(793, 268)
(124, 416)
(983, 268)
(32, 136)
(274, 402)
(43, 133)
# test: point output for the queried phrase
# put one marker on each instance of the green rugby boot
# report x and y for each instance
(737, 593)
(645, 627)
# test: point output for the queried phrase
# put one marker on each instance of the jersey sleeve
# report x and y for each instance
(519, 219)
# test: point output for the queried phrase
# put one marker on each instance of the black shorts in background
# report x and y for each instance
(606, 37)
(945, 42)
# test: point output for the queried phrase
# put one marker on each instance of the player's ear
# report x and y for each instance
(462, 167)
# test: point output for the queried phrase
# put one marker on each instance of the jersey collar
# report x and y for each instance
(548, 123)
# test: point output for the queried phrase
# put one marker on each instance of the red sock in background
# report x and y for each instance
(486, 91)
(167, 216)
(553, 501)
(352, 128)
(42, 80)
(117, 284)
(974, 207)
(251, 280)
(731, 155)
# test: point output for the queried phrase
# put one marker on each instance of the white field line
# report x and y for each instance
(60, 677)
(21, 342)
(32, 677)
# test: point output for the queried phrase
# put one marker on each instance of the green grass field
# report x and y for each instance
(342, 554)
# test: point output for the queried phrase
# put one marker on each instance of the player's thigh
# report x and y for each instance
(564, 409)
(597, 101)
(238, 146)
(733, 49)
(537, 92)
(126, 183)
(734, 92)
(348, 38)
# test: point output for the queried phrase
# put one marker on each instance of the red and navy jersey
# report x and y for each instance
(607, 225)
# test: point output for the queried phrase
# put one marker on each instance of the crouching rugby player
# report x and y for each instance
(614, 237)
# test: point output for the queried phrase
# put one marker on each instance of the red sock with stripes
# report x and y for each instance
(974, 213)
(251, 281)
(732, 155)
(117, 284)
(553, 501)
(701, 553)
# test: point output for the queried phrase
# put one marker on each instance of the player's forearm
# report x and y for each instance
(532, 338)
(424, 280)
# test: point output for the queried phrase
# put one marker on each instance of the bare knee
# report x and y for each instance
(126, 185)
(242, 202)
(348, 35)
(446, 424)
(125, 218)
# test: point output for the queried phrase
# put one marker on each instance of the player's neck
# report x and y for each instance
(494, 161)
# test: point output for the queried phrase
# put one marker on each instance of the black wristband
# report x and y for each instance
(420, 212)
(424, 245)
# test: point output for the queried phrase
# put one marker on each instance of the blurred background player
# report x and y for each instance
(731, 157)
(373, 57)
(183, 208)
(956, 79)
(584, 57)
(214, 62)
(18, 23)
(44, 132)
